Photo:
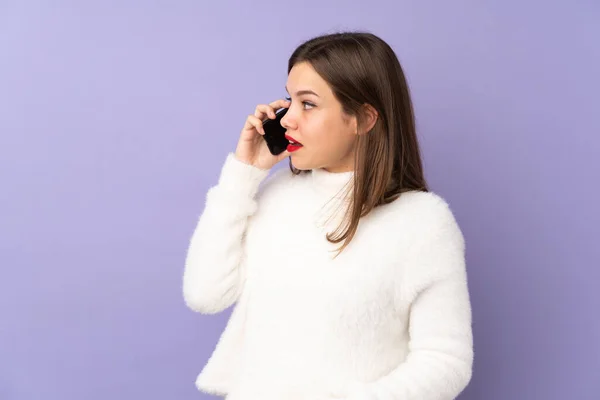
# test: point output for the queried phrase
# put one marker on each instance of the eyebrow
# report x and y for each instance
(301, 92)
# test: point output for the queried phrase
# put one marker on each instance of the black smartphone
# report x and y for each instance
(275, 133)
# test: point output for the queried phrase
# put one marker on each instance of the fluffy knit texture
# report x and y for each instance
(389, 318)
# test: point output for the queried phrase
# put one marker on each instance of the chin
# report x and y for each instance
(299, 165)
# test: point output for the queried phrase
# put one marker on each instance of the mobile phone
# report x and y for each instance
(275, 133)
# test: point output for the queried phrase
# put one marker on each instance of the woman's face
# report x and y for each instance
(316, 120)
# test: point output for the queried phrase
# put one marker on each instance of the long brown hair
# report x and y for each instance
(363, 69)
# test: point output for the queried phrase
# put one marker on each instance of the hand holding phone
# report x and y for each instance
(266, 151)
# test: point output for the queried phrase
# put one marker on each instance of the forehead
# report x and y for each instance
(304, 77)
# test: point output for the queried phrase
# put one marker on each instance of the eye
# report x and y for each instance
(304, 103)
(308, 104)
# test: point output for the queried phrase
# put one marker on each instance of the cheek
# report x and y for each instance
(331, 134)
(314, 128)
(339, 133)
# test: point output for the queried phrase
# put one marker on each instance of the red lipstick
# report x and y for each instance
(294, 144)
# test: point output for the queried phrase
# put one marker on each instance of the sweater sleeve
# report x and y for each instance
(440, 358)
(214, 272)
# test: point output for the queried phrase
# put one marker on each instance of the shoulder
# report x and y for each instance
(425, 207)
(435, 245)
(428, 215)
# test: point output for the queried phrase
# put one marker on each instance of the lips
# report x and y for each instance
(293, 141)
(294, 144)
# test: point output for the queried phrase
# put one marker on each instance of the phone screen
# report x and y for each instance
(275, 133)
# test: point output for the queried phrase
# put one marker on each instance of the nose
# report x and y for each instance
(287, 121)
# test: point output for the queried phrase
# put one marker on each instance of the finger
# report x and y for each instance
(259, 111)
(250, 122)
(282, 103)
(263, 110)
(256, 123)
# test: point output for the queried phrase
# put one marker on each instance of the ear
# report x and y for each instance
(368, 119)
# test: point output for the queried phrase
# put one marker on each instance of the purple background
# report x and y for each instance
(116, 118)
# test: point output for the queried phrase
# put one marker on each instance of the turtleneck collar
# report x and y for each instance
(331, 184)
(334, 193)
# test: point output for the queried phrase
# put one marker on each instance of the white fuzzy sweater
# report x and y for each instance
(389, 318)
